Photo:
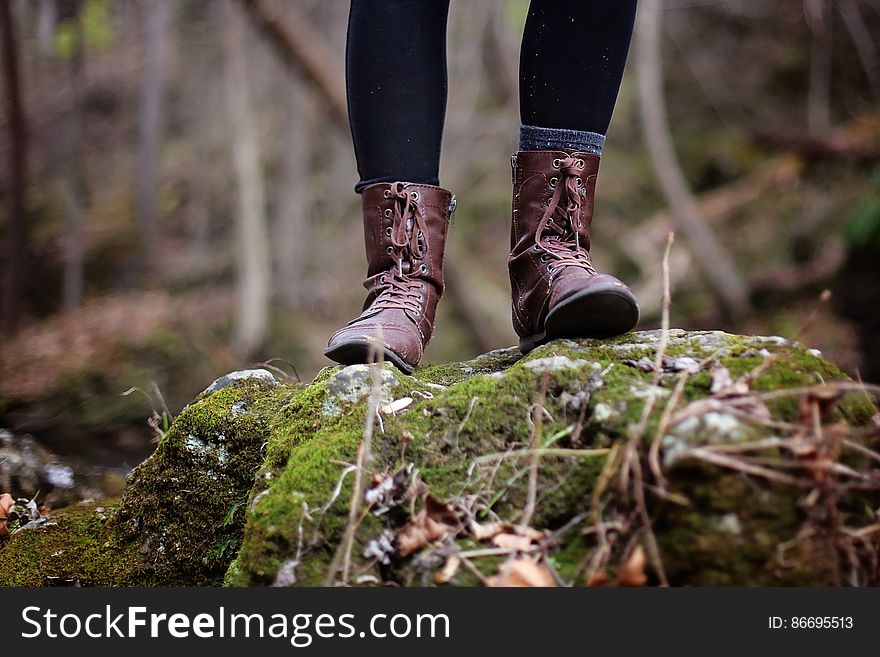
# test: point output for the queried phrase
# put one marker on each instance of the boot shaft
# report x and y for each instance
(383, 212)
(538, 176)
(553, 195)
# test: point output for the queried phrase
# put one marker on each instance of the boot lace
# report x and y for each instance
(558, 233)
(404, 291)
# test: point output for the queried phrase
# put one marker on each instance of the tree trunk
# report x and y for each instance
(293, 220)
(819, 93)
(713, 258)
(73, 184)
(253, 249)
(46, 21)
(16, 230)
(150, 120)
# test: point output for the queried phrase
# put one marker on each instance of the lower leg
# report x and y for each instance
(571, 64)
(396, 83)
(396, 75)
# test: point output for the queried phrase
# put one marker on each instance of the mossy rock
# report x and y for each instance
(252, 484)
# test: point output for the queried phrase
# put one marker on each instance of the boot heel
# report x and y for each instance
(531, 343)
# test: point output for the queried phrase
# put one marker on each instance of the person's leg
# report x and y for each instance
(571, 63)
(396, 72)
(396, 78)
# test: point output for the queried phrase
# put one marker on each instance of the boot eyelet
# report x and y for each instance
(580, 182)
(553, 182)
(421, 298)
(580, 164)
(422, 286)
(424, 269)
(387, 193)
(388, 231)
(543, 257)
(390, 250)
(383, 279)
(414, 196)
(388, 212)
(536, 248)
(556, 163)
(550, 268)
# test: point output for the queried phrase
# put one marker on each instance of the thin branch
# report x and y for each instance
(545, 451)
(343, 553)
(536, 418)
(298, 43)
(712, 257)
(865, 46)
(819, 91)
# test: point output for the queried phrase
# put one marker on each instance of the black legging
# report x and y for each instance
(571, 63)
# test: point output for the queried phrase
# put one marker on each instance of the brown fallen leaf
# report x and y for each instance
(488, 531)
(522, 571)
(450, 568)
(434, 522)
(512, 542)
(600, 578)
(632, 573)
(6, 503)
(387, 490)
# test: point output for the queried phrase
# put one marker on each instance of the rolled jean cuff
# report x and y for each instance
(536, 138)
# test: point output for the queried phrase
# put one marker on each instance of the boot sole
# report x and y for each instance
(360, 352)
(601, 312)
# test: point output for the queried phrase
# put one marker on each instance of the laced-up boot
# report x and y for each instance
(405, 227)
(555, 289)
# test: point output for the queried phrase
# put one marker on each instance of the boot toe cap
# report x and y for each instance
(357, 341)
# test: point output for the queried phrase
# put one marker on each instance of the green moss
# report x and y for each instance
(76, 548)
(184, 506)
(484, 410)
(241, 493)
(734, 532)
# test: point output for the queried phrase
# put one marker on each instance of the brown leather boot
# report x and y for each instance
(556, 291)
(405, 228)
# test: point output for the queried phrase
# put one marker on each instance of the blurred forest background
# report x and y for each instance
(171, 204)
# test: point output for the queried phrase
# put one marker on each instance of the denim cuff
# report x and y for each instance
(536, 138)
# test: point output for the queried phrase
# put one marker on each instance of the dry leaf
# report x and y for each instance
(599, 578)
(6, 503)
(522, 571)
(392, 408)
(450, 568)
(632, 573)
(387, 491)
(512, 542)
(434, 522)
(487, 531)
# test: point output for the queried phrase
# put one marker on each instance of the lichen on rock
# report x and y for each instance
(252, 484)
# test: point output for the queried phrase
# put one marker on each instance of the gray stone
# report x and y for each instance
(241, 375)
(353, 384)
(712, 428)
(556, 363)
